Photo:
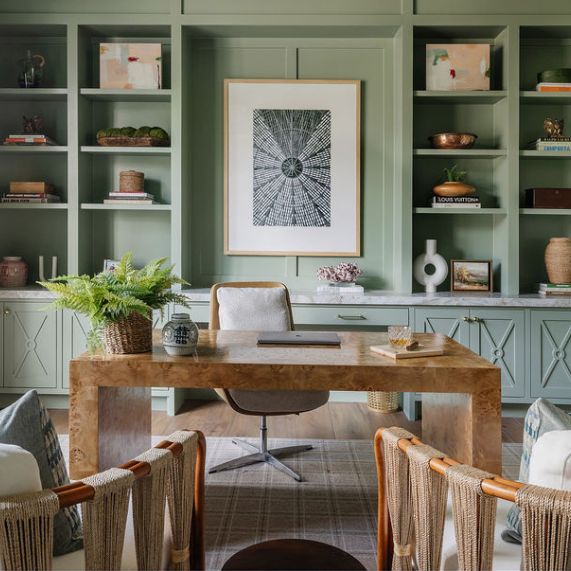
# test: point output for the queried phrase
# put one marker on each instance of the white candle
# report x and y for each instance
(54, 266)
(41, 268)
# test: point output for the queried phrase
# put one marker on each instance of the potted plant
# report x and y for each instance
(119, 303)
(454, 184)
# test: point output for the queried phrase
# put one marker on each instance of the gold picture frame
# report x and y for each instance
(277, 103)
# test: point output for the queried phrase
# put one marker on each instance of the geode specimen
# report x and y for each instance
(341, 273)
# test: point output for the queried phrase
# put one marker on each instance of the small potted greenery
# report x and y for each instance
(119, 303)
(454, 184)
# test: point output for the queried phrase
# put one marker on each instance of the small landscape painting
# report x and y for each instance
(458, 67)
(130, 66)
(471, 275)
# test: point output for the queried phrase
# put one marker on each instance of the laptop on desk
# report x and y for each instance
(298, 338)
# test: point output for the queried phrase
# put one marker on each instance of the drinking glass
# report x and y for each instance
(400, 336)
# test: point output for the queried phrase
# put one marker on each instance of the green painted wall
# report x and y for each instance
(380, 42)
(211, 62)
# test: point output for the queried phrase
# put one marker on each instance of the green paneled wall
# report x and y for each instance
(212, 62)
(380, 42)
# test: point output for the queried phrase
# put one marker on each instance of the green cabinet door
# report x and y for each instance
(499, 336)
(452, 322)
(31, 343)
(75, 329)
(551, 354)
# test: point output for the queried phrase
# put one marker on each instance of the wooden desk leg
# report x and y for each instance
(107, 425)
(467, 427)
(124, 424)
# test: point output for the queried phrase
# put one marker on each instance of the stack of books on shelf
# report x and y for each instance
(29, 139)
(129, 198)
(31, 192)
(559, 145)
(560, 290)
(456, 202)
(547, 87)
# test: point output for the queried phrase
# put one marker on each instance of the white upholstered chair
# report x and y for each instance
(260, 306)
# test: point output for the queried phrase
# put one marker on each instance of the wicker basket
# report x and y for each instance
(380, 401)
(132, 142)
(134, 334)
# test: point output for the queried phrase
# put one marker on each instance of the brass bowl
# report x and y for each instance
(453, 140)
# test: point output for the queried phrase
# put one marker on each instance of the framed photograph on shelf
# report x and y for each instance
(471, 275)
(110, 265)
(292, 167)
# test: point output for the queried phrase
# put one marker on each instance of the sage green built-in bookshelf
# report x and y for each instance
(381, 42)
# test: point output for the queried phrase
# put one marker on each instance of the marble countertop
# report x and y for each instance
(379, 297)
(370, 297)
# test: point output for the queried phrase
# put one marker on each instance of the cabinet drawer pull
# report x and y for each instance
(6, 312)
(477, 319)
(352, 317)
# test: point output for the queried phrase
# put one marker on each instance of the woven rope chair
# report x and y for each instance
(172, 471)
(418, 500)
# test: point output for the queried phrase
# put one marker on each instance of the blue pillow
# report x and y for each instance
(26, 423)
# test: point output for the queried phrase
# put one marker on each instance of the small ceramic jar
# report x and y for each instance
(13, 272)
(180, 335)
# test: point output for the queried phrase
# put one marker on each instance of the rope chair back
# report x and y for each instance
(174, 470)
(546, 528)
(429, 493)
(418, 492)
(180, 498)
(26, 530)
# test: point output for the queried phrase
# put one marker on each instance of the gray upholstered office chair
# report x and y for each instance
(260, 306)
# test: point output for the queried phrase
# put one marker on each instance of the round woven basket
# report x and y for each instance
(134, 334)
(131, 181)
(381, 401)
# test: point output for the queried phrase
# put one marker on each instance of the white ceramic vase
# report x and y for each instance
(430, 281)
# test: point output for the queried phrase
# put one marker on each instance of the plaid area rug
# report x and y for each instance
(336, 502)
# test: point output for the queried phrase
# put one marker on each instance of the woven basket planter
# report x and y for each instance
(134, 334)
(380, 401)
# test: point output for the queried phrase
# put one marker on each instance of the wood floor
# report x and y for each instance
(338, 421)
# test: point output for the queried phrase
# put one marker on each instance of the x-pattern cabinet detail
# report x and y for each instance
(31, 343)
(551, 354)
(498, 335)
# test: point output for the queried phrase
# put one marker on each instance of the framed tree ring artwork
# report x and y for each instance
(292, 167)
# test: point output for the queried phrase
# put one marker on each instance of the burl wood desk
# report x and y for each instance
(110, 395)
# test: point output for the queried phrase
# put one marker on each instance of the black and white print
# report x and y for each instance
(292, 167)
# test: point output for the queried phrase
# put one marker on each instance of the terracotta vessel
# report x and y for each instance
(558, 260)
(13, 272)
(454, 189)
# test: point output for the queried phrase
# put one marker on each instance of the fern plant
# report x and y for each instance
(111, 296)
(453, 174)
